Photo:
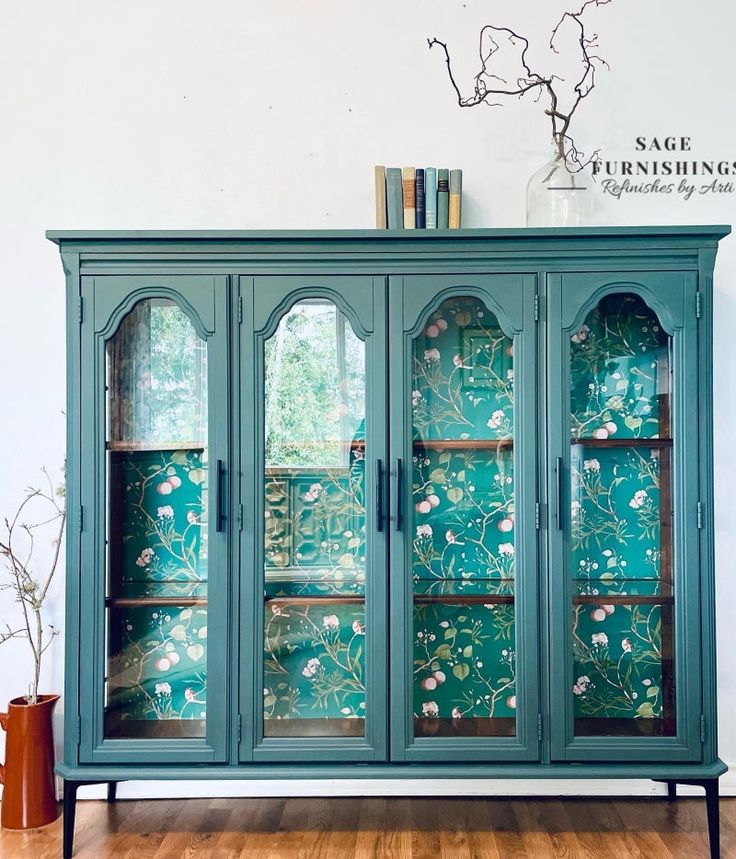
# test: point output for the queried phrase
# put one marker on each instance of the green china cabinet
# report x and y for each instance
(390, 504)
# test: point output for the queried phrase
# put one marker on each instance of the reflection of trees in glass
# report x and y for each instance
(158, 376)
(315, 387)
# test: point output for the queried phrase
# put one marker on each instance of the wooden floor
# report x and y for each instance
(387, 828)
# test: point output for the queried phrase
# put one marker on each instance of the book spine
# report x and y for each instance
(443, 193)
(394, 199)
(456, 195)
(421, 223)
(409, 199)
(380, 180)
(430, 197)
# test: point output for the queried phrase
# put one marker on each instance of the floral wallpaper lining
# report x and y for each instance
(158, 652)
(620, 533)
(314, 662)
(463, 516)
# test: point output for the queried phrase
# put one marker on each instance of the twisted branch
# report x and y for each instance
(529, 80)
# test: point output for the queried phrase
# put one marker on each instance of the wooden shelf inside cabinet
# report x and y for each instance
(133, 446)
(133, 602)
(467, 599)
(464, 444)
(324, 599)
(622, 442)
(623, 599)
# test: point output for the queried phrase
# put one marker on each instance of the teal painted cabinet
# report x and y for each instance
(374, 503)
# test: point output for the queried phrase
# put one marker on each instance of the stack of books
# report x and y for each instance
(418, 198)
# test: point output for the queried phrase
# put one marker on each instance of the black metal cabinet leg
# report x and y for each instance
(112, 791)
(70, 805)
(671, 791)
(714, 831)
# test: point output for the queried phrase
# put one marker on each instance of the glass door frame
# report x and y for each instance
(106, 300)
(511, 298)
(266, 299)
(569, 297)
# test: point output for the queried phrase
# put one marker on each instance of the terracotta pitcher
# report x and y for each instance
(28, 775)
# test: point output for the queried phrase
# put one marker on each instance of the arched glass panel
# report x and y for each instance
(621, 522)
(463, 522)
(157, 526)
(314, 505)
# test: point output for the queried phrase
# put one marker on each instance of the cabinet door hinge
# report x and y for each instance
(80, 309)
(699, 514)
(537, 516)
(240, 517)
(536, 307)
(697, 305)
(240, 308)
(539, 727)
(77, 730)
(702, 727)
(240, 727)
(81, 518)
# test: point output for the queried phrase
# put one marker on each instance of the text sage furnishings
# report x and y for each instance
(390, 504)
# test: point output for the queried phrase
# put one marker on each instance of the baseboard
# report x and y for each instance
(395, 787)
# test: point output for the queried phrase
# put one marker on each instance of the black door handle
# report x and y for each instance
(558, 481)
(379, 495)
(398, 518)
(219, 515)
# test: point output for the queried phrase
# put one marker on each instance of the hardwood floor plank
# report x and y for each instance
(454, 833)
(641, 819)
(505, 828)
(596, 828)
(541, 831)
(371, 819)
(426, 818)
(343, 834)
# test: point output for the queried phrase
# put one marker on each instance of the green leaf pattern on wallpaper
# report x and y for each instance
(462, 375)
(463, 522)
(464, 661)
(619, 365)
(463, 514)
(162, 671)
(158, 669)
(620, 383)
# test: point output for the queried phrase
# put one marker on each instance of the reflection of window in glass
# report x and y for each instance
(156, 683)
(314, 535)
(315, 387)
(157, 366)
(621, 522)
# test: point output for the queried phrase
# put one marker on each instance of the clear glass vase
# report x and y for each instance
(557, 196)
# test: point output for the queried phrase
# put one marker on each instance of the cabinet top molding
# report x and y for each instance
(517, 235)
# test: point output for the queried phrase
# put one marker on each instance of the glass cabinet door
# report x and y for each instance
(321, 568)
(619, 488)
(162, 461)
(463, 541)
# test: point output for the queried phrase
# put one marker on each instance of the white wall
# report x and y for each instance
(231, 114)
